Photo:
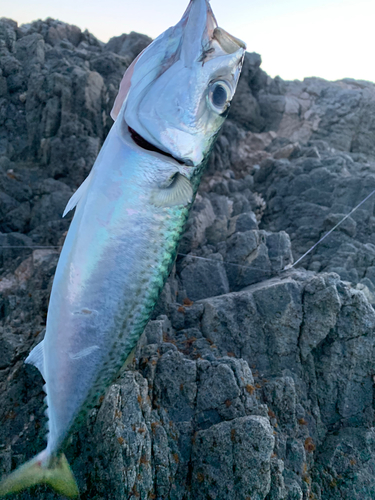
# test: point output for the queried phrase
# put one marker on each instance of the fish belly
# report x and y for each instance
(117, 255)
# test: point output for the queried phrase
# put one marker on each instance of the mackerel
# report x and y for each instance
(129, 216)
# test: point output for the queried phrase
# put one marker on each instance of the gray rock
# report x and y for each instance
(345, 465)
(280, 396)
(123, 445)
(200, 218)
(49, 206)
(218, 231)
(243, 222)
(204, 278)
(128, 45)
(7, 204)
(17, 219)
(247, 259)
(232, 459)
(13, 248)
(279, 250)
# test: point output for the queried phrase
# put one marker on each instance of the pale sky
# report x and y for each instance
(332, 39)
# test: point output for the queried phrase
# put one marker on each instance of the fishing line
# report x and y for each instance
(225, 262)
(331, 230)
(267, 271)
(26, 246)
(290, 266)
(179, 254)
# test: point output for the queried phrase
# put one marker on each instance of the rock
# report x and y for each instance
(317, 202)
(125, 442)
(7, 204)
(17, 219)
(30, 51)
(219, 463)
(278, 490)
(128, 45)
(200, 218)
(204, 278)
(280, 395)
(318, 323)
(108, 65)
(246, 259)
(348, 226)
(218, 231)
(12, 247)
(342, 468)
(246, 108)
(6, 354)
(49, 206)
(243, 222)
(241, 314)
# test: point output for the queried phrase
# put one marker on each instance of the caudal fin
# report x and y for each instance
(58, 475)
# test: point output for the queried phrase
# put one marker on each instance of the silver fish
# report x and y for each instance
(130, 214)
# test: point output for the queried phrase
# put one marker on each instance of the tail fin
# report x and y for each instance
(58, 475)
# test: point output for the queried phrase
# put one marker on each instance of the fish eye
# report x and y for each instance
(219, 95)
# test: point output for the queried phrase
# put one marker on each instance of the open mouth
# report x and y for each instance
(142, 143)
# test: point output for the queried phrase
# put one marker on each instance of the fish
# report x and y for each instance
(130, 214)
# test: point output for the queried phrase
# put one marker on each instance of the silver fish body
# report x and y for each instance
(108, 279)
(130, 214)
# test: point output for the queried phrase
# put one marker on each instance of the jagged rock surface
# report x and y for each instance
(251, 382)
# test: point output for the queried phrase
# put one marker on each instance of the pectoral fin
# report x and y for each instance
(36, 358)
(179, 192)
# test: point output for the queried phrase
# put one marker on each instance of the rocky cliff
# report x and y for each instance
(251, 382)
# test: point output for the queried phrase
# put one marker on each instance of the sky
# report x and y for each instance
(331, 39)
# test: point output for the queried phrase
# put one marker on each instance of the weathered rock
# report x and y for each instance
(204, 278)
(128, 45)
(224, 450)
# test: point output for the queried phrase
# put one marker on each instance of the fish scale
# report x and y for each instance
(160, 259)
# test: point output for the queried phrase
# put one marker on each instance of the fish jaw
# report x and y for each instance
(168, 88)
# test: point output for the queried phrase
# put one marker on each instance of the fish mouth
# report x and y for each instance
(144, 144)
(166, 90)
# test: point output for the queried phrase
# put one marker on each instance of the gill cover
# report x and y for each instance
(176, 93)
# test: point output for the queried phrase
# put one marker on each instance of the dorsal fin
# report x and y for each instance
(36, 358)
(77, 196)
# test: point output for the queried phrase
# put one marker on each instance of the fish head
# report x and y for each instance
(176, 94)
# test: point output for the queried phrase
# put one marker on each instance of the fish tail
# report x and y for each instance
(56, 474)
